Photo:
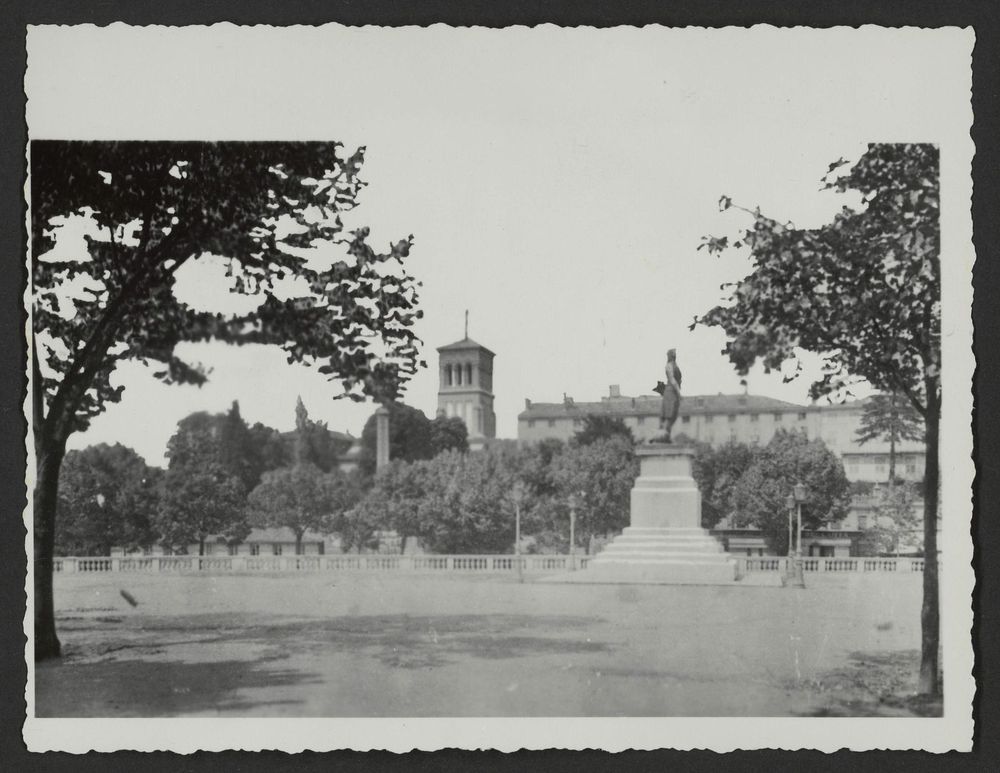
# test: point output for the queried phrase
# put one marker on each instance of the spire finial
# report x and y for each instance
(466, 323)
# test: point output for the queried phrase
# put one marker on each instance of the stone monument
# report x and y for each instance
(664, 541)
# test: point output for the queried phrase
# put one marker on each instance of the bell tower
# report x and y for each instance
(466, 387)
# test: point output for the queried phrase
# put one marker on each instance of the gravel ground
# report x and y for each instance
(370, 645)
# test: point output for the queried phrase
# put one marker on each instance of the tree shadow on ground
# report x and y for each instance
(873, 684)
(429, 641)
(149, 688)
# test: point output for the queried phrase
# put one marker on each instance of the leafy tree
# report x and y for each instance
(600, 475)
(155, 207)
(313, 443)
(717, 471)
(201, 497)
(864, 293)
(393, 502)
(301, 498)
(107, 498)
(268, 450)
(448, 434)
(200, 503)
(460, 511)
(409, 436)
(235, 453)
(889, 417)
(896, 519)
(759, 496)
(598, 427)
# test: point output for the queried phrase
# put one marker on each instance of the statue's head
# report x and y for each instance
(671, 354)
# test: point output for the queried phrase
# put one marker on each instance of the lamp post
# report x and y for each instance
(517, 497)
(796, 577)
(572, 502)
(790, 507)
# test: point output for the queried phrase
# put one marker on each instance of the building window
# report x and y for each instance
(862, 522)
(276, 549)
(754, 417)
(640, 420)
(802, 415)
(708, 419)
(531, 422)
(254, 549)
(552, 422)
(234, 549)
(779, 416)
(468, 374)
(685, 419)
(911, 468)
(732, 418)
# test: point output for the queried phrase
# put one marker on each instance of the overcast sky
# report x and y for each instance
(557, 182)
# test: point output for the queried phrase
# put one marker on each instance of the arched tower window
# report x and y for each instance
(468, 373)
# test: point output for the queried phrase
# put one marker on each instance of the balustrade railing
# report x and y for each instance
(497, 564)
(814, 564)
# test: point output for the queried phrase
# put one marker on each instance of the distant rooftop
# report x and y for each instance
(646, 405)
(465, 343)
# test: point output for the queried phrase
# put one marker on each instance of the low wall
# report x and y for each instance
(496, 564)
(316, 563)
(771, 564)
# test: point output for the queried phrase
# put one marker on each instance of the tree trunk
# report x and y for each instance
(298, 543)
(892, 460)
(201, 546)
(929, 611)
(402, 544)
(49, 458)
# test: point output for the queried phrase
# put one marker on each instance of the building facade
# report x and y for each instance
(466, 388)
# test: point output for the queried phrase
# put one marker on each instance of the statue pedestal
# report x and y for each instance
(664, 542)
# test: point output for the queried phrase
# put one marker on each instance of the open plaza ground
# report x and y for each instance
(371, 644)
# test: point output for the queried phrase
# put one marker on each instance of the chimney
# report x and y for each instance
(615, 390)
(567, 400)
(527, 404)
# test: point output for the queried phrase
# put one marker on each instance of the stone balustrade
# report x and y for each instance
(754, 565)
(492, 564)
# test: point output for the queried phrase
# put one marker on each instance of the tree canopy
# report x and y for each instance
(598, 427)
(107, 498)
(864, 293)
(271, 210)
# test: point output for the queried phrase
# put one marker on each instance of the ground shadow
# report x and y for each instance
(873, 684)
(149, 688)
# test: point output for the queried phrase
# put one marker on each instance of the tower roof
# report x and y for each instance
(465, 343)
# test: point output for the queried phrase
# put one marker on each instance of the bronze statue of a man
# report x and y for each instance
(671, 395)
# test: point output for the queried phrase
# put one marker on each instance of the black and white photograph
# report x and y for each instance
(399, 388)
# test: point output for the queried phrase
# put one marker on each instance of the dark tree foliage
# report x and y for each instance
(759, 496)
(410, 436)
(717, 471)
(312, 442)
(235, 452)
(107, 498)
(448, 434)
(863, 292)
(158, 206)
(891, 418)
(597, 427)
(201, 497)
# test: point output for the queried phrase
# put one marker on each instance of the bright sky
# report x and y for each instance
(557, 182)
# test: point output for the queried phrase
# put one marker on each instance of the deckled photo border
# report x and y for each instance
(952, 731)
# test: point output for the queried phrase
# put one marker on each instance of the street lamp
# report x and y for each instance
(573, 502)
(517, 494)
(795, 577)
(790, 507)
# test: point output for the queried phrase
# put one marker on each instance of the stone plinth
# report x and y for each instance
(665, 542)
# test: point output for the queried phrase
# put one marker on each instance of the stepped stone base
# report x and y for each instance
(665, 543)
(669, 555)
